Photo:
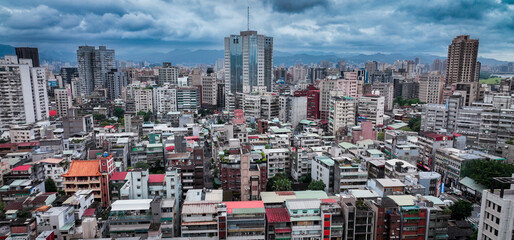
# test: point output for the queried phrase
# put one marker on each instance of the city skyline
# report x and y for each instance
(343, 27)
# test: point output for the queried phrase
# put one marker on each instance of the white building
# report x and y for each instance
(61, 220)
(371, 108)
(63, 101)
(278, 160)
(341, 113)
(80, 201)
(165, 100)
(497, 209)
(143, 99)
(23, 95)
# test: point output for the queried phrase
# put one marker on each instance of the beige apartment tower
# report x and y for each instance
(462, 60)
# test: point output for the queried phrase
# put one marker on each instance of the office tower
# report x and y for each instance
(316, 74)
(23, 95)
(188, 99)
(437, 65)
(248, 62)
(431, 88)
(115, 82)
(68, 73)
(93, 66)
(168, 74)
(28, 53)
(371, 67)
(63, 100)
(462, 60)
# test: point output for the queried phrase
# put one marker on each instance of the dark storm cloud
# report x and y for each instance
(339, 26)
(296, 6)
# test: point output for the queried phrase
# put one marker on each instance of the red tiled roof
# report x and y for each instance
(118, 176)
(192, 138)
(83, 168)
(243, 204)
(156, 178)
(457, 135)
(328, 200)
(89, 212)
(277, 215)
(22, 168)
(253, 137)
(7, 145)
(28, 144)
(282, 230)
(14, 206)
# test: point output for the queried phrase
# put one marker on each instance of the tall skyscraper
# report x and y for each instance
(93, 66)
(68, 73)
(116, 80)
(248, 62)
(28, 53)
(63, 101)
(462, 60)
(23, 96)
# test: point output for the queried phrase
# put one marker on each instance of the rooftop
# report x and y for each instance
(255, 206)
(156, 178)
(303, 204)
(388, 182)
(82, 168)
(132, 204)
(117, 176)
(277, 215)
(22, 168)
(199, 195)
(364, 193)
(403, 200)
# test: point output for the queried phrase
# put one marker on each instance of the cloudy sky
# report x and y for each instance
(338, 26)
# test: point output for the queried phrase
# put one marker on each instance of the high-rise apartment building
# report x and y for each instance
(68, 73)
(371, 108)
(93, 66)
(385, 90)
(63, 101)
(23, 95)
(28, 53)
(188, 99)
(168, 74)
(341, 114)
(248, 62)
(165, 100)
(431, 88)
(115, 82)
(344, 87)
(143, 99)
(209, 91)
(462, 60)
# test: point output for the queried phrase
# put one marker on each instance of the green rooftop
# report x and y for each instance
(347, 145)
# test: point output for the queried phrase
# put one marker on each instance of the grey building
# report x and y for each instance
(115, 82)
(248, 62)
(93, 66)
(28, 53)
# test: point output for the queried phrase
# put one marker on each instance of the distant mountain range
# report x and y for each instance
(189, 57)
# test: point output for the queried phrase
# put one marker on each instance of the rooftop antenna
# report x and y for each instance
(248, 18)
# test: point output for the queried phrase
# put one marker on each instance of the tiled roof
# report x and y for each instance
(28, 144)
(243, 204)
(277, 215)
(118, 176)
(22, 168)
(83, 168)
(156, 178)
(328, 200)
(89, 212)
(14, 205)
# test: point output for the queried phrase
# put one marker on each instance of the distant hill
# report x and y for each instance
(193, 57)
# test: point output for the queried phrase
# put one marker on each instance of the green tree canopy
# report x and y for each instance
(415, 124)
(99, 117)
(119, 112)
(482, 171)
(50, 185)
(317, 185)
(142, 165)
(380, 136)
(279, 182)
(461, 209)
(405, 102)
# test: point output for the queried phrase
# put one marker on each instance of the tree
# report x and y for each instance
(119, 112)
(415, 124)
(482, 171)
(305, 179)
(142, 165)
(317, 185)
(461, 209)
(279, 182)
(99, 117)
(380, 136)
(282, 184)
(406, 129)
(50, 185)
(146, 115)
